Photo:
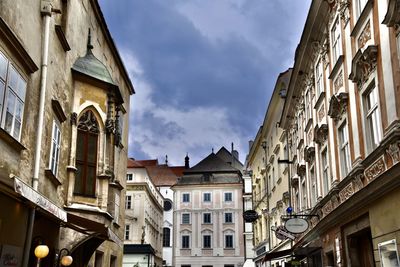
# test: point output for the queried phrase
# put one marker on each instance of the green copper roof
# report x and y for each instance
(91, 66)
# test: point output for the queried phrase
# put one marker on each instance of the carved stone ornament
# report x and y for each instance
(394, 152)
(110, 126)
(321, 133)
(375, 169)
(301, 168)
(88, 122)
(346, 192)
(335, 201)
(357, 182)
(321, 112)
(338, 105)
(338, 82)
(363, 64)
(392, 16)
(365, 35)
(295, 180)
(327, 208)
(309, 154)
(344, 10)
(74, 118)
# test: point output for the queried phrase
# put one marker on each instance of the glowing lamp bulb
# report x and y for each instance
(41, 251)
(66, 260)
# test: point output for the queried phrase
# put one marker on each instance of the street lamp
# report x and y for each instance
(65, 260)
(41, 251)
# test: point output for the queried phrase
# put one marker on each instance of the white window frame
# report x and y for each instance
(360, 5)
(210, 240)
(183, 220)
(127, 232)
(204, 217)
(184, 196)
(129, 177)
(209, 197)
(18, 91)
(225, 241)
(231, 216)
(188, 241)
(313, 186)
(55, 147)
(128, 202)
(344, 149)
(336, 37)
(228, 199)
(319, 77)
(372, 117)
(325, 169)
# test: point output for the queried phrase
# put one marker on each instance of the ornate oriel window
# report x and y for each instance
(86, 155)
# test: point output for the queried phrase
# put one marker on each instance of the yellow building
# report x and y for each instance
(64, 94)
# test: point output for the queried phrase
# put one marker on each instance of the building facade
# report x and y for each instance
(143, 216)
(208, 207)
(341, 117)
(64, 93)
(270, 177)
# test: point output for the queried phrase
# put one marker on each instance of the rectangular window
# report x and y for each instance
(206, 241)
(127, 231)
(228, 217)
(12, 98)
(344, 149)
(185, 241)
(185, 218)
(336, 41)
(207, 197)
(228, 241)
(206, 217)
(55, 147)
(313, 187)
(319, 81)
(325, 170)
(129, 177)
(185, 197)
(166, 237)
(360, 4)
(373, 120)
(228, 196)
(303, 194)
(128, 202)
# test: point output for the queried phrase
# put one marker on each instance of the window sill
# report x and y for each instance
(83, 195)
(362, 18)
(336, 67)
(14, 143)
(50, 175)
(321, 97)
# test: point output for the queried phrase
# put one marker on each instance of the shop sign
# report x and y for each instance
(34, 196)
(281, 233)
(250, 215)
(296, 225)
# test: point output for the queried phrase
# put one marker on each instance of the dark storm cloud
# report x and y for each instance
(192, 63)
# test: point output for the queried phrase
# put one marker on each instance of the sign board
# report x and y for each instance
(296, 225)
(38, 199)
(250, 215)
(281, 234)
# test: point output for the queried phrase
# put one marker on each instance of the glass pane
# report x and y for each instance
(18, 118)
(13, 78)
(3, 67)
(21, 88)
(92, 148)
(90, 181)
(10, 111)
(80, 143)
(78, 179)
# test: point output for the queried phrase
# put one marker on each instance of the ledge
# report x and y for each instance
(50, 175)
(62, 38)
(14, 143)
(362, 18)
(336, 67)
(321, 97)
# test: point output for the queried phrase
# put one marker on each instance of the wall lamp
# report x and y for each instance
(41, 250)
(65, 260)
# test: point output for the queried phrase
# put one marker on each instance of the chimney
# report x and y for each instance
(187, 161)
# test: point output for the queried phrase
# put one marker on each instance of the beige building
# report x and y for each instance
(63, 133)
(208, 207)
(143, 216)
(269, 177)
(341, 116)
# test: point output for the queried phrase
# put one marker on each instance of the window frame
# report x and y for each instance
(186, 197)
(127, 232)
(325, 169)
(166, 237)
(207, 218)
(336, 40)
(128, 204)
(183, 221)
(226, 216)
(129, 177)
(55, 145)
(319, 77)
(229, 199)
(185, 244)
(226, 241)
(360, 5)
(344, 148)
(373, 128)
(209, 241)
(206, 199)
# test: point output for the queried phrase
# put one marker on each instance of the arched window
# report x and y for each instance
(86, 155)
(166, 237)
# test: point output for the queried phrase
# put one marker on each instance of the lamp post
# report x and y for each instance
(65, 260)
(41, 251)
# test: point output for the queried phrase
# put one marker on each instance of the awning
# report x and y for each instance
(90, 227)
(295, 252)
(277, 254)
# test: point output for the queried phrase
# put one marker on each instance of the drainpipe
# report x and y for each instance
(45, 9)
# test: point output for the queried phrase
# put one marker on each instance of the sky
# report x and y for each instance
(203, 70)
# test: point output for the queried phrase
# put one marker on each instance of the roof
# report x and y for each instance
(178, 170)
(227, 156)
(162, 175)
(132, 163)
(212, 163)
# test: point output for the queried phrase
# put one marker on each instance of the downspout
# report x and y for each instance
(45, 10)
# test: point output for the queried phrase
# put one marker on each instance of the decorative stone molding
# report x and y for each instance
(375, 169)
(327, 208)
(74, 118)
(301, 168)
(110, 126)
(363, 64)
(338, 105)
(321, 133)
(295, 180)
(88, 122)
(338, 82)
(344, 10)
(346, 192)
(321, 112)
(335, 201)
(394, 152)
(392, 16)
(357, 182)
(365, 35)
(309, 154)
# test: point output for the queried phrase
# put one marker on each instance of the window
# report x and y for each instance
(185, 218)
(206, 241)
(167, 205)
(113, 261)
(128, 202)
(12, 98)
(185, 197)
(303, 194)
(166, 237)
(228, 217)
(86, 155)
(373, 121)
(336, 41)
(206, 197)
(127, 231)
(129, 177)
(228, 241)
(360, 4)
(325, 170)
(55, 147)
(344, 149)
(313, 187)
(185, 241)
(206, 217)
(319, 81)
(228, 196)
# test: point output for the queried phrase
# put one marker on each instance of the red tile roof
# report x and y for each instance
(132, 163)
